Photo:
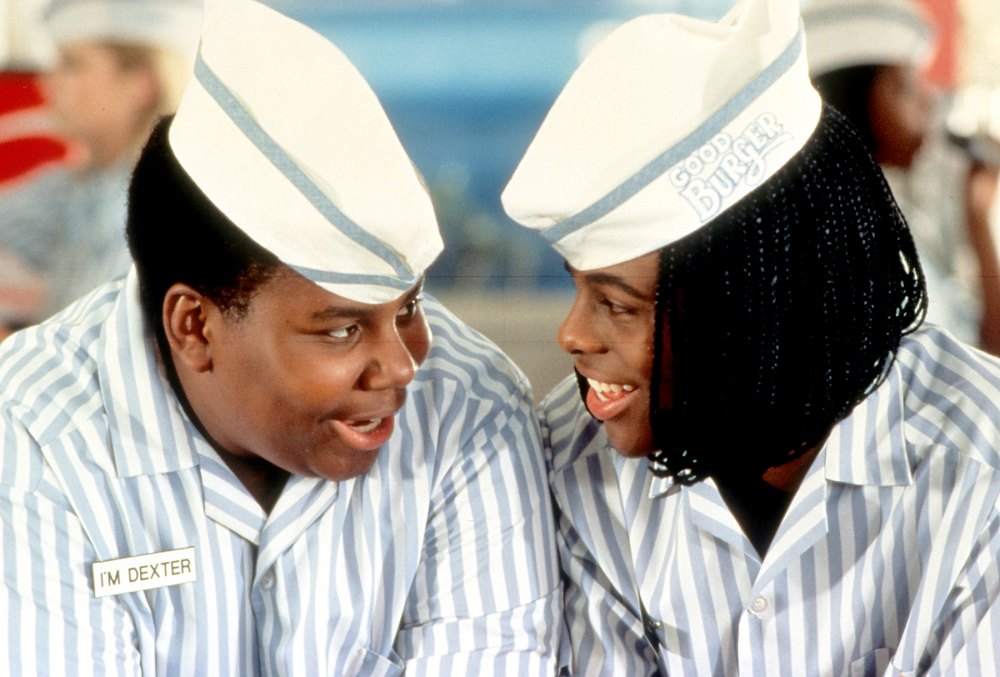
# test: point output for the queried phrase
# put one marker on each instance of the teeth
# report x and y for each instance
(367, 427)
(603, 389)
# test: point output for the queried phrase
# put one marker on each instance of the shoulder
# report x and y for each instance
(48, 372)
(569, 432)
(465, 359)
(471, 408)
(951, 394)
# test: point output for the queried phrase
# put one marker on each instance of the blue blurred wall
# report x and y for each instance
(466, 84)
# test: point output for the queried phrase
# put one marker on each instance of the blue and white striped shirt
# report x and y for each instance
(440, 560)
(886, 563)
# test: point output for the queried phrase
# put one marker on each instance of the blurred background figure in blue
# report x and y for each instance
(869, 59)
(118, 65)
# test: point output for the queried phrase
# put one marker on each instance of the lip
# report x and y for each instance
(365, 441)
(604, 410)
(607, 410)
(373, 439)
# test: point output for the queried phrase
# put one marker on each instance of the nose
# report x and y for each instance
(391, 364)
(577, 333)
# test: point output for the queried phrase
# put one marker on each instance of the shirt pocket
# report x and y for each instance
(370, 664)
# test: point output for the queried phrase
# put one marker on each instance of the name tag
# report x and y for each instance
(143, 572)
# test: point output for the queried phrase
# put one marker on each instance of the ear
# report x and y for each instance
(185, 314)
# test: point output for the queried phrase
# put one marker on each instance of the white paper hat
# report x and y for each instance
(668, 122)
(173, 24)
(285, 137)
(845, 33)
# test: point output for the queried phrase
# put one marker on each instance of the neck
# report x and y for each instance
(788, 476)
(760, 505)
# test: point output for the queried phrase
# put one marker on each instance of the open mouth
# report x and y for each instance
(366, 426)
(609, 391)
(607, 400)
(365, 434)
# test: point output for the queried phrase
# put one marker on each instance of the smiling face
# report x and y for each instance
(306, 381)
(609, 333)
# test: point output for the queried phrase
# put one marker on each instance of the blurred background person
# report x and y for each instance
(29, 142)
(867, 58)
(119, 65)
(28, 137)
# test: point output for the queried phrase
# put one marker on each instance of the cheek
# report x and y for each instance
(637, 351)
(315, 386)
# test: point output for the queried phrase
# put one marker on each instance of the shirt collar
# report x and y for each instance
(869, 446)
(148, 429)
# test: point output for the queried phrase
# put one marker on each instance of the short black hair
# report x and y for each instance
(783, 313)
(175, 234)
(849, 90)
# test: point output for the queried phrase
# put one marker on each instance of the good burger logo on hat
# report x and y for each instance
(656, 133)
(717, 170)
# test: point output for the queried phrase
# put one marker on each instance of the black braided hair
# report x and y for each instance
(782, 314)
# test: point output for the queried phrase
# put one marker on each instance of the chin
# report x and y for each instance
(358, 464)
(627, 443)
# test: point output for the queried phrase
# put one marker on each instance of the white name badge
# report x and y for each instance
(144, 572)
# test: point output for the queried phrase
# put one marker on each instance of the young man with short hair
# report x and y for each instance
(264, 452)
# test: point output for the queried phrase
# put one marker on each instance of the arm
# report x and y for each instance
(54, 624)
(605, 636)
(488, 585)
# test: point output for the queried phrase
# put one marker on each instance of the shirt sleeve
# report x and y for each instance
(54, 624)
(486, 596)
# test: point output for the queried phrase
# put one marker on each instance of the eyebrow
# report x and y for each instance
(362, 311)
(606, 279)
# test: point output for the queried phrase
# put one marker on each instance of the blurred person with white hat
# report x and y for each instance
(264, 452)
(867, 59)
(120, 65)
(763, 464)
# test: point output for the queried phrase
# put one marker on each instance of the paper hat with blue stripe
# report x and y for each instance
(285, 137)
(172, 24)
(845, 33)
(667, 123)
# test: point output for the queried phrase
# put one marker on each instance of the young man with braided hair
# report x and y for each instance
(765, 464)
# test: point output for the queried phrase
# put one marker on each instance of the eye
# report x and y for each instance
(614, 307)
(409, 310)
(344, 333)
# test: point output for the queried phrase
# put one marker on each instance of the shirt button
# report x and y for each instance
(267, 580)
(758, 605)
